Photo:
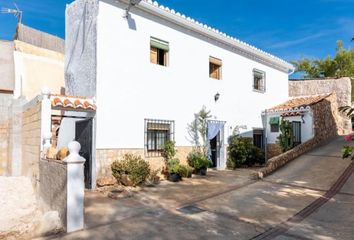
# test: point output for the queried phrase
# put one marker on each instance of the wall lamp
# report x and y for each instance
(216, 96)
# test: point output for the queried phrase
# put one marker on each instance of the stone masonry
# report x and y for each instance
(273, 150)
(327, 124)
(340, 86)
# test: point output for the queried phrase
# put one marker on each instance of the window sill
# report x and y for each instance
(259, 91)
(155, 64)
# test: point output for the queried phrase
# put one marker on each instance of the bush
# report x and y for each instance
(286, 136)
(185, 171)
(173, 166)
(241, 151)
(197, 160)
(168, 150)
(132, 166)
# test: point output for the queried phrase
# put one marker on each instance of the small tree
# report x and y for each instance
(341, 65)
(197, 130)
(286, 137)
(168, 150)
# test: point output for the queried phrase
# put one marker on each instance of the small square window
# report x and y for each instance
(259, 81)
(215, 66)
(157, 132)
(159, 51)
(274, 127)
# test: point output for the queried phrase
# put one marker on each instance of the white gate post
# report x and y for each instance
(75, 188)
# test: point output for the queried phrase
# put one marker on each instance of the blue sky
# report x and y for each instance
(290, 29)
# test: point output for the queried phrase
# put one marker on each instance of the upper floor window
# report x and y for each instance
(159, 51)
(215, 65)
(259, 80)
(157, 132)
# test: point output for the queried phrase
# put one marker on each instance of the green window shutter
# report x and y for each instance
(274, 120)
(160, 44)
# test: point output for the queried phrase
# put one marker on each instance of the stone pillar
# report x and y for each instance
(75, 188)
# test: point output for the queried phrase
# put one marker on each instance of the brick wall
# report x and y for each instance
(31, 141)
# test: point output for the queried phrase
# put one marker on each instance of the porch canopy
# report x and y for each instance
(214, 127)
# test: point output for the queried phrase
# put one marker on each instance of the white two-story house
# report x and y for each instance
(150, 68)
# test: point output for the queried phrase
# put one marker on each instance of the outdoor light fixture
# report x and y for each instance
(132, 3)
(216, 96)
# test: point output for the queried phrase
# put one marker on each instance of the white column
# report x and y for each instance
(75, 188)
(46, 116)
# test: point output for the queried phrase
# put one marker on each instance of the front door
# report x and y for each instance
(214, 150)
(83, 134)
(297, 132)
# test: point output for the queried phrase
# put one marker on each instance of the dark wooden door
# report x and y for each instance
(297, 132)
(83, 134)
(214, 150)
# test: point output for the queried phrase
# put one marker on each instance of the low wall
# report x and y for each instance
(273, 150)
(105, 157)
(52, 187)
(282, 159)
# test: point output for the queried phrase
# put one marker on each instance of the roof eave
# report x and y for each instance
(246, 49)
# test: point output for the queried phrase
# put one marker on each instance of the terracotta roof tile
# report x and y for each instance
(299, 102)
(72, 102)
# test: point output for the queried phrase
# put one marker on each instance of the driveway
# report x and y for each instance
(310, 198)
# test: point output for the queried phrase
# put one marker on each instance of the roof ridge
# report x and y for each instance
(191, 20)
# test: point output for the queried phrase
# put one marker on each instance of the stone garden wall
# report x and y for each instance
(273, 150)
(327, 125)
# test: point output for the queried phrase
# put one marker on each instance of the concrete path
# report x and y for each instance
(303, 200)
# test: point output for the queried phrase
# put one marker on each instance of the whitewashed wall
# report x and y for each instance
(130, 88)
(307, 128)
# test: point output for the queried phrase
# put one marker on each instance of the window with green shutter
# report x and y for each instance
(159, 51)
(274, 124)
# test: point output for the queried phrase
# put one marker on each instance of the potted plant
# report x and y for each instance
(199, 162)
(201, 165)
(186, 171)
(174, 170)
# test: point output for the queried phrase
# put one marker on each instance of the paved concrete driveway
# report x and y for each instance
(310, 198)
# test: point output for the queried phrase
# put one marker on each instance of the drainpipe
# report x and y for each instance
(265, 135)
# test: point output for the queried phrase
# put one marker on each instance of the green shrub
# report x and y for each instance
(135, 167)
(286, 137)
(185, 170)
(168, 150)
(241, 151)
(197, 160)
(173, 166)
